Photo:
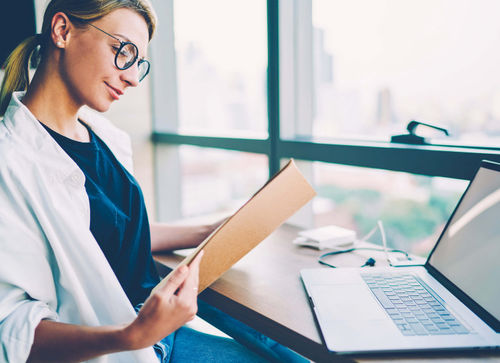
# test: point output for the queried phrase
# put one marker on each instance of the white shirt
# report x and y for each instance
(51, 266)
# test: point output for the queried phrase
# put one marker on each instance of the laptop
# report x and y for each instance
(452, 302)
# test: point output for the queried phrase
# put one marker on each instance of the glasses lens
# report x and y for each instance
(126, 56)
(143, 69)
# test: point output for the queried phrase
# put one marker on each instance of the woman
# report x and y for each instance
(75, 241)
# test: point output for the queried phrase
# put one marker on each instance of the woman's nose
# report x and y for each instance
(131, 75)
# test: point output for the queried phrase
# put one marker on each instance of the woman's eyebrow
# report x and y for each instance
(123, 37)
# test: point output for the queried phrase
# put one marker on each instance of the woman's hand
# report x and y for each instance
(166, 309)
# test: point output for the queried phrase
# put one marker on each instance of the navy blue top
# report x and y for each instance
(118, 218)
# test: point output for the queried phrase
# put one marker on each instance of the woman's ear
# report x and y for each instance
(60, 30)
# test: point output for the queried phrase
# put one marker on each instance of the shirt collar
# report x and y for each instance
(27, 131)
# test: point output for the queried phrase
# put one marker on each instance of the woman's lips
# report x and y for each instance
(115, 93)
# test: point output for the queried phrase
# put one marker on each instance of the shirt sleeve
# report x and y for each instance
(27, 289)
(17, 330)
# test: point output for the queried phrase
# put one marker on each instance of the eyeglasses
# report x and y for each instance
(126, 55)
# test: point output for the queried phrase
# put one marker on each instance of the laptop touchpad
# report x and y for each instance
(346, 302)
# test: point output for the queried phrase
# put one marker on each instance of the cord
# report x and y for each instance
(370, 262)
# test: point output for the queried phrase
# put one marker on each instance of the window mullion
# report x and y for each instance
(273, 78)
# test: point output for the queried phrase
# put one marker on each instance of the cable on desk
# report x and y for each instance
(371, 261)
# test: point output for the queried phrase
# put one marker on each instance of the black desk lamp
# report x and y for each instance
(411, 137)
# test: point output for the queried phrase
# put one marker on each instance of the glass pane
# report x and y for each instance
(215, 181)
(413, 209)
(221, 49)
(380, 64)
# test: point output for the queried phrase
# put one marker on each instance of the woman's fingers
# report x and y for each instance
(177, 279)
(194, 267)
(196, 262)
(189, 288)
(165, 311)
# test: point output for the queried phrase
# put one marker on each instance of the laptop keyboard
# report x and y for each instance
(413, 309)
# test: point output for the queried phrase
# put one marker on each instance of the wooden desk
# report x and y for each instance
(264, 291)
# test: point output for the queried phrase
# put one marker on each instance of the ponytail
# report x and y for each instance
(16, 77)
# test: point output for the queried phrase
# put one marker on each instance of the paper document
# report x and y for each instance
(272, 205)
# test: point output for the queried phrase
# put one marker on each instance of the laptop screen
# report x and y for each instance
(468, 251)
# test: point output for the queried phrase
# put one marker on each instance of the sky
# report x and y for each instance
(444, 48)
(231, 33)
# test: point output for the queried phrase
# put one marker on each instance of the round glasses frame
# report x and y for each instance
(142, 61)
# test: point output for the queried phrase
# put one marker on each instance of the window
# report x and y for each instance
(333, 108)
(213, 181)
(413, 208)
(221, 57)
(379, 64)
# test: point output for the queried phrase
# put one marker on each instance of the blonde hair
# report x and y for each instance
(16, 77)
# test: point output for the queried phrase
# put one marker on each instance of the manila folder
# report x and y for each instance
(272, 205)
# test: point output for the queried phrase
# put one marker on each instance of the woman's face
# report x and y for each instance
(87, 62)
